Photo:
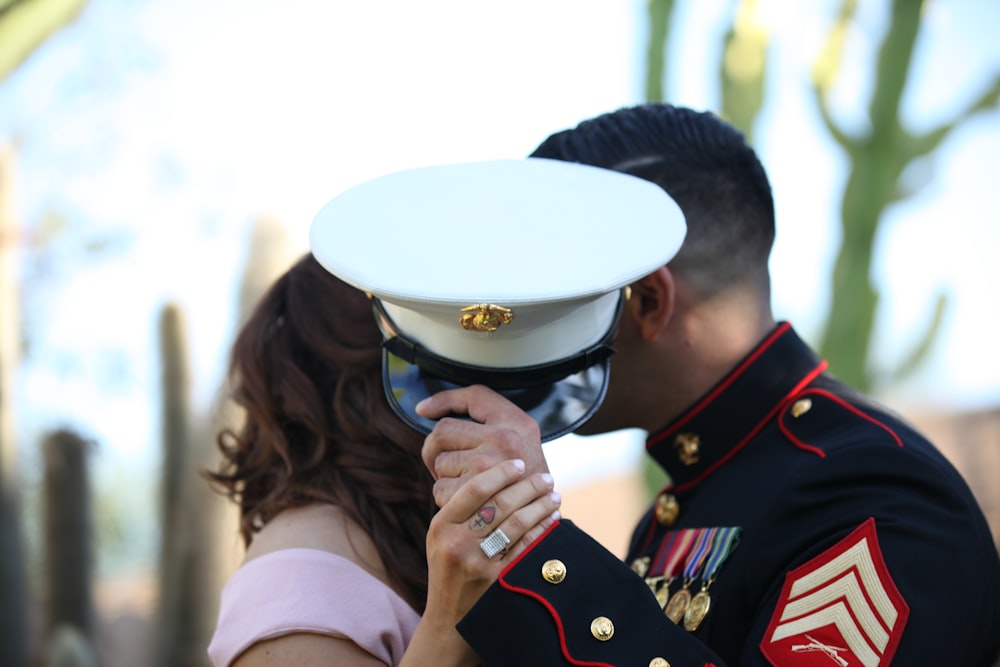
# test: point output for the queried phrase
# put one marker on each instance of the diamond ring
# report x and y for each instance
(495, 543)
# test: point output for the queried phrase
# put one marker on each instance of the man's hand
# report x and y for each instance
(457, 449)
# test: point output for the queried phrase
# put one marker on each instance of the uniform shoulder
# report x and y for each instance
(826, 421)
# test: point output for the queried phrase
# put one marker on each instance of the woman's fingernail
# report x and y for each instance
(555, 497)
(547, 478)
(519, 464)
(556, 515)
(420, 405)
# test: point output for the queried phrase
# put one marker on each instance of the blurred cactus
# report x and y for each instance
(25, 24)
(660, 13)
(13, 583)
(13, 569)
(878, 158)
(268, 257)
(176, 417)
(67, 647)
(744, 65)
(9, 318)
(69, 552)
(201, 543)
(182, 609)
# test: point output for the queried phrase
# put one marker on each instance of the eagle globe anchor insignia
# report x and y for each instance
(485, 317)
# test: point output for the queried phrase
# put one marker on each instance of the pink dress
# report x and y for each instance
(308, 590)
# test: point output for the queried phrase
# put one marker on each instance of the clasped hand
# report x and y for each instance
(490, 473)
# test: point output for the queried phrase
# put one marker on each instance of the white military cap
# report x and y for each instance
(508, 273)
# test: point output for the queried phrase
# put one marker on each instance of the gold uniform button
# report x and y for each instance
(667, 509)
(602, 628)
(801, 406)
(554, 571)
(658, 662)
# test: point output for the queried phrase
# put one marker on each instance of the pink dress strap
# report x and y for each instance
(308, 590)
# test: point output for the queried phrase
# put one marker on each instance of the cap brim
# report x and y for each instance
(559, 408)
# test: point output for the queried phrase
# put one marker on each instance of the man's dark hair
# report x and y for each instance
(707, 167)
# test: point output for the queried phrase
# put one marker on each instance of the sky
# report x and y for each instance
(151, 135)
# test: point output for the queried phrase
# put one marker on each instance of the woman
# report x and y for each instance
(336, 503)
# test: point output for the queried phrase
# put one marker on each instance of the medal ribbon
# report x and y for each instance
(723, 544)
(662, 552)
(684, 541)
(698, 553)
(673, 551)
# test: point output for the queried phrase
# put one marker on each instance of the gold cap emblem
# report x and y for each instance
(602, 628)
(485, 317)
(658, 662)
(554, 571)
(688, 446)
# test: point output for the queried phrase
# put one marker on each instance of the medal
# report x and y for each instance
(724, 541)
(654, 583)
(697, 609)
(678, 604)
(641, 566)
(673, 550)
(662, 595)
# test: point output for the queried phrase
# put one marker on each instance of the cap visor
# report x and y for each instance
(559, 408)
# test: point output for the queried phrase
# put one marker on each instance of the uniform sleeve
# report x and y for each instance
(896, 569)
(568, 601)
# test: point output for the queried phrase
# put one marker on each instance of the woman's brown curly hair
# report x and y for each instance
(306, 369)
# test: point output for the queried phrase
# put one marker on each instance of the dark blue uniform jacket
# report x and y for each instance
(855, 543)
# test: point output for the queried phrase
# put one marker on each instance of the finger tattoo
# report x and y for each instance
(484, 517)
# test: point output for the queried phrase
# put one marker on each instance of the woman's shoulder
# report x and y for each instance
(324, 527)
(298, 568)
(320, 526)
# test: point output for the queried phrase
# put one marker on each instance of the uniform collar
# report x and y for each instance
(718, 425)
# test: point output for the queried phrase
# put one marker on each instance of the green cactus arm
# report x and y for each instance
(924, 144)
(826, 70)
(26, 24)
(660, 13)
(892, 68)
(744, 67)
(918, 353)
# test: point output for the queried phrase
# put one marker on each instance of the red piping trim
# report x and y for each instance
(812, 375)
(545, 603)
(722, 387)
(527, 550)
(798, 443)
(850, 408)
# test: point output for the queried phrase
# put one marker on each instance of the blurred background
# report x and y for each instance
(160, 164)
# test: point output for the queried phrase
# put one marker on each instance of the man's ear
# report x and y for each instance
(652, 302)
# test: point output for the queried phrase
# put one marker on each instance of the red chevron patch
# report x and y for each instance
(841, 609)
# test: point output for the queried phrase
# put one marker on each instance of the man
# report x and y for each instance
(804, 525)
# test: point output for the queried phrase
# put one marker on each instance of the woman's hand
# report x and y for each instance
(501, 497)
